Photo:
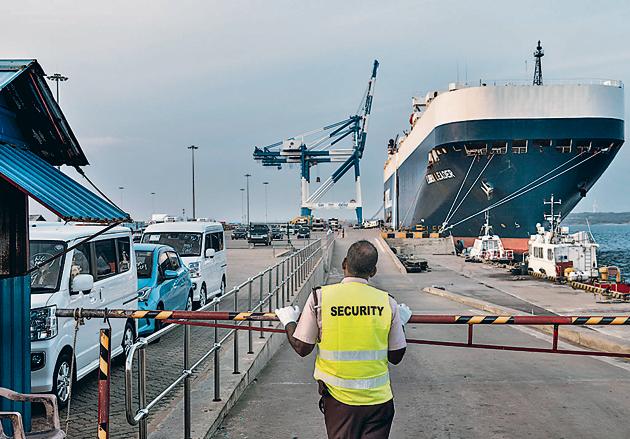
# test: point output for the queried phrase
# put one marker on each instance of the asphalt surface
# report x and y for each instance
(165, 358)
(450, 392)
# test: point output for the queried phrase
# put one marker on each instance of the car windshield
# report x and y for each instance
(260, 229)
(186, 244)
(46, 278)
(144, 262)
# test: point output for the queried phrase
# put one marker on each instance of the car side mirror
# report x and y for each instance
(210, 252)
(170, 274)
(81, 282)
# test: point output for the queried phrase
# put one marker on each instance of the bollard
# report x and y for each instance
(187, 383)
(142, 391)
(261, 303)
(105, 361)
(235, 371)
(250, 341)
(217, 365)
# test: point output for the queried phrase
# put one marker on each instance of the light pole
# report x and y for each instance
(152, 202)
(266, 183)
(247, 188)
(192, 148)
(57, 77)
(121, 189)
(242, 205)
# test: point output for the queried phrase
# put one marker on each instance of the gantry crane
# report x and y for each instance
(323, 146)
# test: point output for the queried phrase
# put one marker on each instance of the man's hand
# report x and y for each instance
(404, 312)
(288, 314)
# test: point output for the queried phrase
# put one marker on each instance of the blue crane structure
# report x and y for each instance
(322, 146)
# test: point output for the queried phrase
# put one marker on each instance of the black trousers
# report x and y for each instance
(345, 421)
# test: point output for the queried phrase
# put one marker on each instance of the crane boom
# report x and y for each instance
(309, 151)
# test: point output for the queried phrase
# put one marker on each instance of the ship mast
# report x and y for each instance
(553, 218)
(538, 54)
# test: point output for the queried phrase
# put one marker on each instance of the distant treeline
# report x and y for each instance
(598, 218)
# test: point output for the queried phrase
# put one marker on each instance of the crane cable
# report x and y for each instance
(516, 195)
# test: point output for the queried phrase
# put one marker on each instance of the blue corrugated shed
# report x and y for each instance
(53, 189)
(16, 339)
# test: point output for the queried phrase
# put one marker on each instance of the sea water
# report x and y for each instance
(614, 244)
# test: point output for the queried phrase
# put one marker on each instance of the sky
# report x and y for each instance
(150, 78)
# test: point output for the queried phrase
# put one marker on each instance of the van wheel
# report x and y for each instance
(222, 289)
(189, 301)
(203, 296)
(62, 379)
(129, 338)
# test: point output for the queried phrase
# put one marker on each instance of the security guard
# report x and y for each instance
(357, 329)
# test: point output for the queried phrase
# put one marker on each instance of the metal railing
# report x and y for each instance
(276, 286)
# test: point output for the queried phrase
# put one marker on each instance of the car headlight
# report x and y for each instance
(193, 267)
(144, 293)
(43, 323)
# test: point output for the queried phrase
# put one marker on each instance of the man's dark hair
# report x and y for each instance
(361, 259)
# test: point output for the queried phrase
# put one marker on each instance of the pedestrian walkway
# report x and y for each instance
(449, 392)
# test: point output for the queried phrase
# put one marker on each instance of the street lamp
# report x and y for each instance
(57, 77)
(242, 205)
(121, 189)
(152, 202)
(266, 183)
(247, 186)
(192, 148)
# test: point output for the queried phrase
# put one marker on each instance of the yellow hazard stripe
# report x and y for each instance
(103, 365)
(501, 320)
(242, 316)
(162, 315)
(594, 320)
(102, 434)
(140, 314)
(104, 339)
(619, 321)
(476, 319)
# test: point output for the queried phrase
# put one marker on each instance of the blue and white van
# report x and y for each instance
(201, 245)
(100, 273)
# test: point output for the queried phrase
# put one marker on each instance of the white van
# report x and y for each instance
(201, 247)
(98, 274)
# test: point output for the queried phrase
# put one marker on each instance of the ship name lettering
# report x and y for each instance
(439, 176)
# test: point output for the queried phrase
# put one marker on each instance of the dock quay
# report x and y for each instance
(448, 392)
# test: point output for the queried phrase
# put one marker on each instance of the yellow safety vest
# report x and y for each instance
(352, 353)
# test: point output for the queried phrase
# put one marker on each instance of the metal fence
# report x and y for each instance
(269, 289)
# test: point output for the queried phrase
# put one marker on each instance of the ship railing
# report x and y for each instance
(523, 82)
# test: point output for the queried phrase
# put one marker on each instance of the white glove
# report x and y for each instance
(288, 314)
(404, 312)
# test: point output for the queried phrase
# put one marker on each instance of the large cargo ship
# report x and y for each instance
(501, 147)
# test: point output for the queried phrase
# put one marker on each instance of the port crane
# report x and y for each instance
(323, 146)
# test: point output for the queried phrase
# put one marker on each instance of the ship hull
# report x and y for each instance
(450, 191)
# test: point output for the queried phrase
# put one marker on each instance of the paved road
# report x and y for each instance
(164, 359)
(447, 392)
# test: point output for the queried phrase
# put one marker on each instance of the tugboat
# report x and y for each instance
(557, 254)
(489, 247)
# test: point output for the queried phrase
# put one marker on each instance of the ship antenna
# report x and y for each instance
(553, 218)
(538, 54)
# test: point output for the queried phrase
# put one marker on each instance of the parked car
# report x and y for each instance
(319, 225)
(201, 247)
(277, 233)
(259, 234)
(239, 233)
(163, 282)
(96, 274)
(304, 233)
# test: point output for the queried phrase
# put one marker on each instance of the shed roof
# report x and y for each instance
(32, 116)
